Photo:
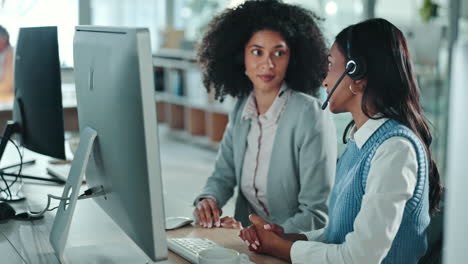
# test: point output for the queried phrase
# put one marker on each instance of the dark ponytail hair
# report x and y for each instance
(391, 88)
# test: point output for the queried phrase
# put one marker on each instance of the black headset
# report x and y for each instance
(356, 67)
(359, 67)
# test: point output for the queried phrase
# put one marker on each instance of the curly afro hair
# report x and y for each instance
(221, 51)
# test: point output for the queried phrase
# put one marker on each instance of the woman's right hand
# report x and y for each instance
(230, 222)
(208, 213)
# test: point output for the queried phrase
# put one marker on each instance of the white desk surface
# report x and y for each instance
(94, 237)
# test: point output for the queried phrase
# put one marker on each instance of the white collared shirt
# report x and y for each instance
(260, 141)
(390, 184)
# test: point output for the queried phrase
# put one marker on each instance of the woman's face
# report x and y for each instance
(266, 58)
(343, 98)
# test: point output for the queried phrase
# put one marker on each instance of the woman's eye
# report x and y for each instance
(279, 53)
(256, 52)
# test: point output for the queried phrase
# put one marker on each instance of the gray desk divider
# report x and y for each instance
(63, 218)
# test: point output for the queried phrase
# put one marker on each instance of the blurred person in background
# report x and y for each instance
(6, 67)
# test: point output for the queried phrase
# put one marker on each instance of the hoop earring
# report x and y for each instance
(351, 89)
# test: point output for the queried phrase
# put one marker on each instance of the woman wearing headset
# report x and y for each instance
(387, 183)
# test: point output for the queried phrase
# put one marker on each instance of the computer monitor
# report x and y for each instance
(116, 105)
(37, 109)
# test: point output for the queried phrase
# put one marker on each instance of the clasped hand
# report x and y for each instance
(261, 236)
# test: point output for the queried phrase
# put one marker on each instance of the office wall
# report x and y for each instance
(135, 13)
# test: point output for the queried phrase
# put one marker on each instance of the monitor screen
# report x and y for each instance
(38, 97)
(115, 95)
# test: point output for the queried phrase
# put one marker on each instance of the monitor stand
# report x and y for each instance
(12, 128)
(61, 227)
(119, 252)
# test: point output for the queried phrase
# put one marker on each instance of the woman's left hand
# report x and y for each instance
(261, 240)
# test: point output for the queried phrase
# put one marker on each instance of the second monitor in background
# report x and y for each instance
(37, 109)
(38, 96)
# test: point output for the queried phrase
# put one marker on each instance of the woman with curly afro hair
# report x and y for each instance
(279, 147)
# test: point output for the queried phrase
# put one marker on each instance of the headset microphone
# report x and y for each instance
(350, 68)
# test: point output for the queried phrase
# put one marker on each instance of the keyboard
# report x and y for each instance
(188, 248)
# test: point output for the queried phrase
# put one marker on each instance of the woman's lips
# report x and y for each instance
(266, 77)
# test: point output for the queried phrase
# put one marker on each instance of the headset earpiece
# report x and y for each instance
(351, 67)
(357, 64)
(359, 70)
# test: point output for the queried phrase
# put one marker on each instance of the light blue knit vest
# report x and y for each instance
(345, 200)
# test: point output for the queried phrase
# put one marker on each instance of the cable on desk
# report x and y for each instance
(7, 191)
(51, 209)
(17, 175)
(22, 163)
(49, 197)
(92, 192)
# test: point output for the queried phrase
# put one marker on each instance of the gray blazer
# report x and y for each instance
(302, 165)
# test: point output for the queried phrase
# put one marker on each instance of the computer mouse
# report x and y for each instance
(174, 222)
(6, 211)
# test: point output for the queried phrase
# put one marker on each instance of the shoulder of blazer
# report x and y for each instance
(301, 102)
